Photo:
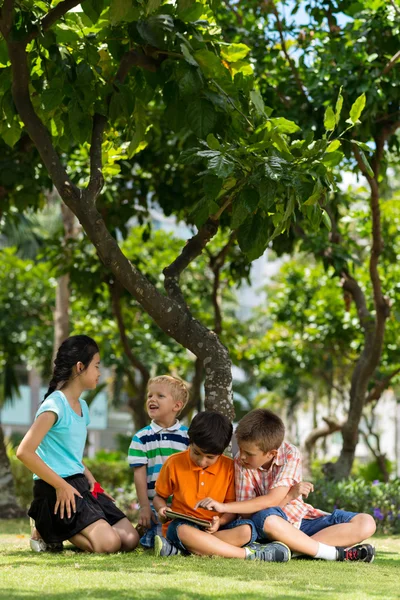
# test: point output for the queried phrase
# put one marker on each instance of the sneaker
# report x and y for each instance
(359, 553)
(41, 546)
(273, 552)
(163, 547)
(38, 545)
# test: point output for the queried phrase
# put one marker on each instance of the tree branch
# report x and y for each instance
(391, 63)
(7, 17)
(380, 387)
(36, 130)
(396, 8)
(52, 17)
(134, 58)
(191, 250)
(96, 180)
(291, 62)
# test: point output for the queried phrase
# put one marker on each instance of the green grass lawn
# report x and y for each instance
(73, 575)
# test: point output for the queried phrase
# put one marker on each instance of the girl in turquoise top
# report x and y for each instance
(68, 504)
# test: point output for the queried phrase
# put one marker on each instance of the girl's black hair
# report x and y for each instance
(211, 432)
(77, 348)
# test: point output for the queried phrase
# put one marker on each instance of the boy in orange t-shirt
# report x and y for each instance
(192, 476)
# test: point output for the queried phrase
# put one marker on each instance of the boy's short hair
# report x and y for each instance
(179, 391)
(210, 431)
(263, 428)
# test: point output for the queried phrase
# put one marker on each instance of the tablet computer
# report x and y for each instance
(171, 514)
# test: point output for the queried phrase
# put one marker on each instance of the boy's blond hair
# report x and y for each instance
(263, 428)
(179, 390)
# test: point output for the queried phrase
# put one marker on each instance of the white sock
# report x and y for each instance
(248, 552)
(326, 552)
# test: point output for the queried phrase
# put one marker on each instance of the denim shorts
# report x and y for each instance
(173, 535)
(308, 526)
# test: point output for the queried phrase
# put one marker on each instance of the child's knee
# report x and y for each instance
(108, 544)
(271, 523)
(365, 524)
(184, 532)
(129, 540)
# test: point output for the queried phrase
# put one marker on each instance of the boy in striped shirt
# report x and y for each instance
(152, 445)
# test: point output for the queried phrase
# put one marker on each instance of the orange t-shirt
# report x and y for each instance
(187, 483)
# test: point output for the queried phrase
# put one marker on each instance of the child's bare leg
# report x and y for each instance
(280, 530)
(81, 542)
(361, 527)
(239, 536)
(200, 542)
(128, 535)
(101, 536)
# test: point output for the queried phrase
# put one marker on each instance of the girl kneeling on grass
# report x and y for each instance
(68, 504)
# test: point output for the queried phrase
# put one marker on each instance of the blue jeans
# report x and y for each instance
(173, 535)
(308, 526)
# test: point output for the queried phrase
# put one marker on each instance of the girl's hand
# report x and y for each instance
(91, 481)
(214, 525)
(210, 504)
(66, 500)
(303, 488)
(161, 514)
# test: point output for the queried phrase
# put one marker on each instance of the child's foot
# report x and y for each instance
(360, 553)
(273, 552)
(163, 547)
(40, 545)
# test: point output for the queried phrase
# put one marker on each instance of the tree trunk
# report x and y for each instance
(9, 508)
(61, 312)
(318, 432)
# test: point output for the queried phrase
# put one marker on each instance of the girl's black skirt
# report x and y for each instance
(88, 510)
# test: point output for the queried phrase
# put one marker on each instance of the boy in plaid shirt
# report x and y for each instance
(269, 488)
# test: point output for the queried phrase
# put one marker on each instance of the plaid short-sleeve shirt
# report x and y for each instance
(285, 471)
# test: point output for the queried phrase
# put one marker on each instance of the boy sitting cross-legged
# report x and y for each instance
(152, 445)
(190, 477)
(269, 488)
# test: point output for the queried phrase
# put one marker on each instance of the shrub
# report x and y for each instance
(381, 500)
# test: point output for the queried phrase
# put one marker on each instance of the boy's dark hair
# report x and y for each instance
(77, 348)
(263, 428)
(211, 432)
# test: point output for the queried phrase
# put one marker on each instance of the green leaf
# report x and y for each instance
(52, 97)
(333, 146)
(234, 52)
(362, 145)
(210, 64)
(220, 165)
(244, 204)
(3, 53)
(284, 125)
(273, 167)
(193, 11)
(267, 190)
(201, 117)
(152, 6)
(202, 210)
(327, 220)
(339, 105)
(329, 119)
(80, 123)
(93, 9)
(212, 186)
(357, 108)
(121, 10)
(258, 102)
(155, 29)
(212, 142)
(188, 57)
(11, 132)
(316, 194)
(366, 164)
(253, 236)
